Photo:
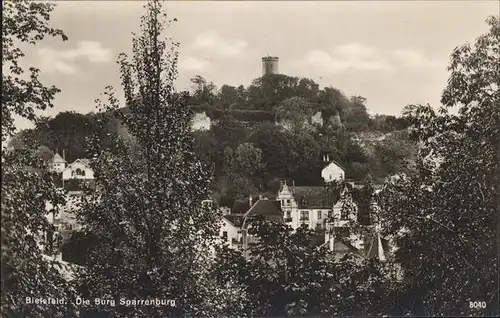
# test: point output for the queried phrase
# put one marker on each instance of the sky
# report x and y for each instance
(393, 53)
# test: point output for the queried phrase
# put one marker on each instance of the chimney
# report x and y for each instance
(250, 201)
(64, 155)
(328, 158)
(260, 196)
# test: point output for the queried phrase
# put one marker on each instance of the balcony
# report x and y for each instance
(304, 218)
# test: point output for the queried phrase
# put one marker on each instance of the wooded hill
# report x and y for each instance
(247, 147)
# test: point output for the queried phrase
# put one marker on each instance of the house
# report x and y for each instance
(230, 231)
(78, 169)
(58, 163)
(77, 172)
(305, 205)
(268, 209)
(333, 171)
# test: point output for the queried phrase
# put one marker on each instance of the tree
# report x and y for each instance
(68, 131)
(203, 91)
(228, 133)
(46, 154)
(295, 112)
(267, 91)
(153, 235)
(27, 187)
(248, 159)
(356, 116)
(332, 101)
(304, 155)
(446, 213)
(275, 144)
(286, 275)
(205, 147)
(227, 96)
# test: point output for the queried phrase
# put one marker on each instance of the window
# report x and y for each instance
(224, 235)
(319, 214)
(304, 215)
(288, 214)
(287, 202)
(79, 172)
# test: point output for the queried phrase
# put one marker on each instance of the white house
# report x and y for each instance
(58, 163)
(230, 230)
(332, 171)
(305, 205)
(78, 169)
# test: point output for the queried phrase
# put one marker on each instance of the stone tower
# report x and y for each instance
(270, 65)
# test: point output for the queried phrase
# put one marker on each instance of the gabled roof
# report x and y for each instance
(85, 162)
(334, 162)
(269, 209)
(315, 197)
(58, 159)
(235, 219)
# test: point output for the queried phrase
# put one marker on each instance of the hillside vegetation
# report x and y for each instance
(262, 133)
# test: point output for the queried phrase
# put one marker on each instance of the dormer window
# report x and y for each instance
(79, 172)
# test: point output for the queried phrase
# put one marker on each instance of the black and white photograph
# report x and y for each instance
(250, 158)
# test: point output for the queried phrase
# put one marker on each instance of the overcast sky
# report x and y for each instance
(391, 52)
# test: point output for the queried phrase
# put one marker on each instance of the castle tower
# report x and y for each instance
(270, 65)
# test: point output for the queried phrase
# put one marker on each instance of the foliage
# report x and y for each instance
(446, 211)
(152, 234)
(203, 91)
(248, 159)
(275, 144)
(252, 115)
(24, 22)
(27, 188)
(296, 112)
(356, 117)
(288, 276)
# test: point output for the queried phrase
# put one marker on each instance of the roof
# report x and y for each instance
(235, 219)
(85, 162)
(57, 158)
(315, 197)
(269, 209)
(336, 163)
